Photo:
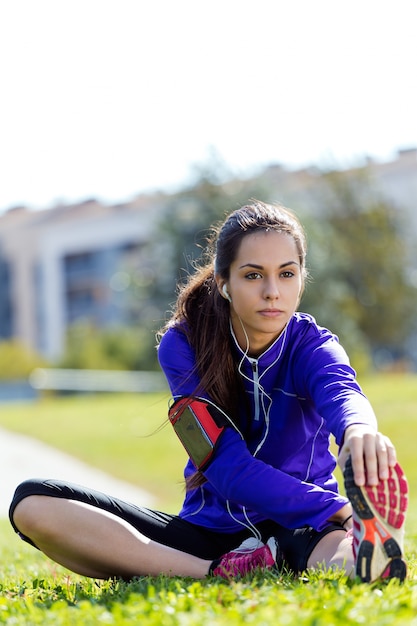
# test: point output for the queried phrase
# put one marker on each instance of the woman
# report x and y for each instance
(257, 389)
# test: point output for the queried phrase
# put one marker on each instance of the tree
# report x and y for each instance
(359, 261)
(120, 348)
(17, 361)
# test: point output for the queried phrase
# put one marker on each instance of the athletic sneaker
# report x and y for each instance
(252, 554)
(378, 525)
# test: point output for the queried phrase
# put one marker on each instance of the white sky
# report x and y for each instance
(108, 98)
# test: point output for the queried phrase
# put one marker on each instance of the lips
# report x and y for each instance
(271, 312)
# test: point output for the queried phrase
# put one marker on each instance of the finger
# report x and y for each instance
(392, 456)
(356, 451)
(371, 458)
(382, 452)
(343, 456)
(387, 456)
(391, 452)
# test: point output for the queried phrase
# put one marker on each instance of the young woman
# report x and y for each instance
(257, 390)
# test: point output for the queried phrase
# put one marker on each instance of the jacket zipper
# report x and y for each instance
(254, 364)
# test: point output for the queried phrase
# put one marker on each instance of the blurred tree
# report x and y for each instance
(127, 348)
(17, 361)
(359, 262)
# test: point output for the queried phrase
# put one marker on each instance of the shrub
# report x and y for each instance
(124, 348)
(17, 361)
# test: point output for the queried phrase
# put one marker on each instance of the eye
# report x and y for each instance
(287, 274)
(253, 275)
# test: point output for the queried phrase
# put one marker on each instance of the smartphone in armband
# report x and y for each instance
(199, 426)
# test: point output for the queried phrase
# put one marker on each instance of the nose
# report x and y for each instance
(271, 291)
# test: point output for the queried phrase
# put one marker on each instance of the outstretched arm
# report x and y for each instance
(241, 478)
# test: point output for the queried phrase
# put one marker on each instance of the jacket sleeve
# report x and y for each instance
(326, 376)
(177, 361)
(234, 473)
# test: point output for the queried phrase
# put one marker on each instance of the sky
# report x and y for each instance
(113, 98)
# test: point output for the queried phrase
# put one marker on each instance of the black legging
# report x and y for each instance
(172, 530)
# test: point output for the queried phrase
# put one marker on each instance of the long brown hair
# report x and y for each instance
(206, 312)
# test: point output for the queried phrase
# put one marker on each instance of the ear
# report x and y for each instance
(226, 293)
(222, 287)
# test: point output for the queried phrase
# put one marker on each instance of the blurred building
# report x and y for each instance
(71, 263)
(67, 263)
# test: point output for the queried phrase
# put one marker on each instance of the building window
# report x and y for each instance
(6, 309)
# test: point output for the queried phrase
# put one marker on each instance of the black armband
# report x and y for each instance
(199, 424)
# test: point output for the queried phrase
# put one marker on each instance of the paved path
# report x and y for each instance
(23, 457)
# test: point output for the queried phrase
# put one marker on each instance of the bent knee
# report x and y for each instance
(30, 513)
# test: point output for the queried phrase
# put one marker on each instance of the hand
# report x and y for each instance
(372, 454)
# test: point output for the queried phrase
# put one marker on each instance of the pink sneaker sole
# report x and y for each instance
(378, 525)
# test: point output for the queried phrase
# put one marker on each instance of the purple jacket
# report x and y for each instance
(300, 390)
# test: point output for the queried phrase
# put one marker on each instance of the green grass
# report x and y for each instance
(111, 432)
(34, 590)
(128, 436)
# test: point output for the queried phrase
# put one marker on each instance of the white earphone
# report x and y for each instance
(226, 293)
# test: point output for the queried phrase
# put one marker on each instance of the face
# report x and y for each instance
(265, 285)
